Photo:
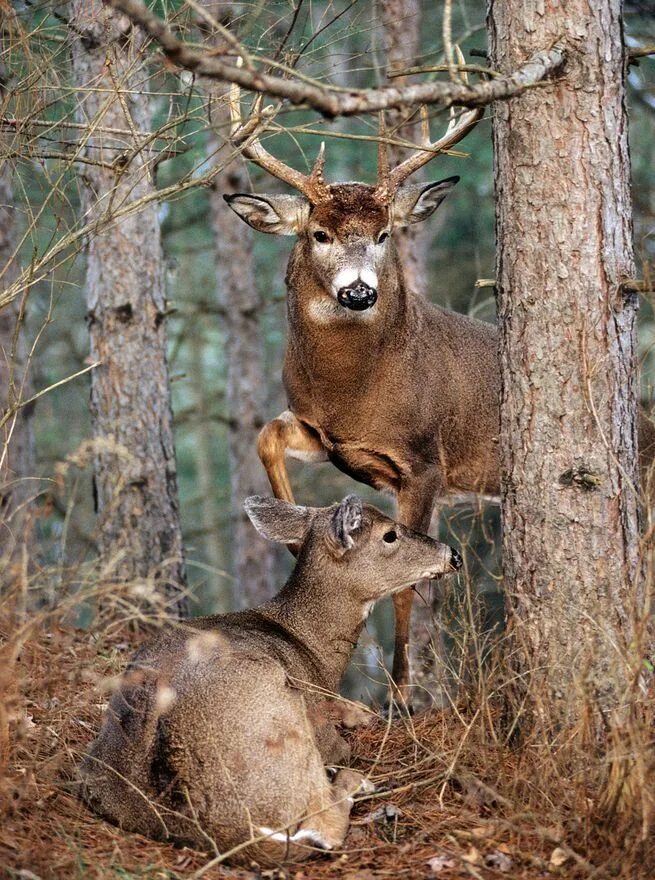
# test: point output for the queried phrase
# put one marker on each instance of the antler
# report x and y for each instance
(458, 127)
(312, 185)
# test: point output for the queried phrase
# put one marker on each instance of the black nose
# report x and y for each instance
(358, 297)
(456, 561)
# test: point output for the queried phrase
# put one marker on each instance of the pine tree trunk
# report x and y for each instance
(569, 384)
(401, 26)
(242, 302)
(134, 470)
(17, 459)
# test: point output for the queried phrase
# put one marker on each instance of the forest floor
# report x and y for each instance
(451, 801)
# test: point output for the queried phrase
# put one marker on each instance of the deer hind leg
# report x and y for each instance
(281, 437)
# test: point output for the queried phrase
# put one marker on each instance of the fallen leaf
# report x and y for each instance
(439, 863)
(385, 813)
(473, 857)
(558, 857)
(498, 860)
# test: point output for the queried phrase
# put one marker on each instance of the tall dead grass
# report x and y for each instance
(465, 792)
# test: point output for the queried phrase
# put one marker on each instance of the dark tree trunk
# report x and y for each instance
(242, 302)
(569, 384)
(135, 472)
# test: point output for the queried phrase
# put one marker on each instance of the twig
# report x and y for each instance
(641, 51)
(14, 409)
(440, 68)
(541, 65)
(448, 41)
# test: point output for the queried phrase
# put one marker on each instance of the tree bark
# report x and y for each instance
(569, 384)
(242, 301)
(401, 25)
(134, 468)
(17, 459)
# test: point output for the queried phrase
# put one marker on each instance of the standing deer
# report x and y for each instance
(398, 393)
(220, 732)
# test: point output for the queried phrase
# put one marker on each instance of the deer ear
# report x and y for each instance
(277, 520)
(278, 214)
(345, 522)
(417, 201)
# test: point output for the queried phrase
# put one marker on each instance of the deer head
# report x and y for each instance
(352, 547)
(345, 228)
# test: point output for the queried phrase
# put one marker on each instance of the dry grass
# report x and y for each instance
(453, 799)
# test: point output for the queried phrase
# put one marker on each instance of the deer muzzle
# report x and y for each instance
(358, 296)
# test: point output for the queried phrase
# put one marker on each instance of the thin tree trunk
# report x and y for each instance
(242, 301)
(17, 459)
(569, 385)
(135, 472)
(216, 596)
(401, 26)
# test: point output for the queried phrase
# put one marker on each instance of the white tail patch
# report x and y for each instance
(307, 835)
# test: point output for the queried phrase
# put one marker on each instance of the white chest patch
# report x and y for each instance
(323, 311)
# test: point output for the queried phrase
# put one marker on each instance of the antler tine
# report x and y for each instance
(459, 126)
(461, 61)
(316, 173)
(247, 133)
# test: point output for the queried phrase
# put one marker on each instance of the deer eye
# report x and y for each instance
(321, 237)
(389, 537)
(383, 237)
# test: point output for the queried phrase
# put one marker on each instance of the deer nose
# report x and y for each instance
(358, 296)
(456, 561)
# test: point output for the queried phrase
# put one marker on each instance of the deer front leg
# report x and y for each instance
(415, 504)
(281, 437)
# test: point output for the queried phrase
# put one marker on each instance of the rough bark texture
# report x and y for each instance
(252, 556)
(569, 385)
(17, 461)
(135, 474)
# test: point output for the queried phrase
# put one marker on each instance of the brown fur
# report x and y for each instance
(221, 726)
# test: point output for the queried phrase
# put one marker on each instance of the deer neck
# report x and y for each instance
(319, 614)
(329, 340)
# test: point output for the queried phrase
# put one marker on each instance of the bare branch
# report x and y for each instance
(641, 51)
(537, 68)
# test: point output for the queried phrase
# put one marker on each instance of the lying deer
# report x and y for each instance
(397, 392)
(220, 731)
